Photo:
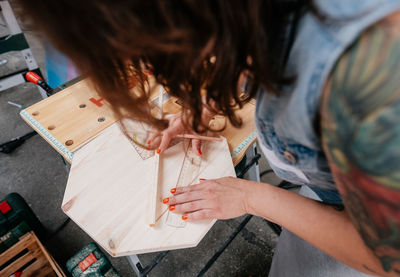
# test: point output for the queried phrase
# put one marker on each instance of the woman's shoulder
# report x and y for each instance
(366, 78)
(360, 107)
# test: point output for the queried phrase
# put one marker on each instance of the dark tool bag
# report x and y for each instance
(13, 211)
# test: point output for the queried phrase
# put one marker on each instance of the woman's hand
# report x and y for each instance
(175, 127)
(222, 198)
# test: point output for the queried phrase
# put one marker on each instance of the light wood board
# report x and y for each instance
(80, 125)
(108, 189)
(70, 117)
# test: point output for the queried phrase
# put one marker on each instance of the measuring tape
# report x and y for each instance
(188, 175)
(67, 154)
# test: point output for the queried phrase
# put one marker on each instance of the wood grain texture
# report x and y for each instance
(70, 115)
(154, 192)
(108, 189)
(154, 188)
(80, 125)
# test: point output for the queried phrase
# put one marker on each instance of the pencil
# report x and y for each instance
(189, 136)
(192, 136)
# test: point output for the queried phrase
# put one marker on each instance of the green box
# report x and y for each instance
(20, 211)
(90, 261)
(12, 237)
(15, 210)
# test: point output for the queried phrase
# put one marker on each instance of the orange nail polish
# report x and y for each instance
(165, 200)
(172, 207)
(158, 150)
(173, 190)
(184, 217)
(149, 141)
(202, 179)
(199, 151)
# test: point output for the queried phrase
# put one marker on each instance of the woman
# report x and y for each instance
(325, 75)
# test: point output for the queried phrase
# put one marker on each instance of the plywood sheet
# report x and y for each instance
(108, 189)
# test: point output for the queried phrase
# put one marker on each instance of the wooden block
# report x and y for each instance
(43, 265)
(108, 189)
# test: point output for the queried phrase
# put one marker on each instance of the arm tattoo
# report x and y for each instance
(360, 123)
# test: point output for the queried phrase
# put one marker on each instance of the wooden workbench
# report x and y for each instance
(78, 123)
(74, 116)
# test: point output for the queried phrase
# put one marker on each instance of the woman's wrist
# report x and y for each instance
(251, 193)
(259, 198)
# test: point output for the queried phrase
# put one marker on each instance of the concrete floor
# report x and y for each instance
(37, 172)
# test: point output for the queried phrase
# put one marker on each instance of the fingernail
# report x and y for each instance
(149, 141)
(165, 200)
(199, 151)
(173, 190)
(184, 217)
(158, 150)
(202, 179)
(172, 207)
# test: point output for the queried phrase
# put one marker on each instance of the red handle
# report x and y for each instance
(33, 77)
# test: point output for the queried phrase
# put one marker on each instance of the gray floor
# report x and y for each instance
(37, 172)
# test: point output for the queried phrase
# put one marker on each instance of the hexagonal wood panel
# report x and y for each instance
(108, 189)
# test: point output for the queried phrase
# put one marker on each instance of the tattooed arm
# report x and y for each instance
(360, 123)
(360, 117)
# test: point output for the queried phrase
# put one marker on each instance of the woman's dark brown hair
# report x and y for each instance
(188, 45)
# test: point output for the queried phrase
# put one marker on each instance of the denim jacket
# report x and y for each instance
(286, 123)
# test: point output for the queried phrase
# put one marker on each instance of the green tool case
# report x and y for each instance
(12, 236)
(90, 261)
(13, 211)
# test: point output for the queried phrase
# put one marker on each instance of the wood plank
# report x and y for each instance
(23, 243)
(154, 186)
(13, 267)
(49, 258)
(153, 193)
(56, 267)
(40, 267)
(108, 189)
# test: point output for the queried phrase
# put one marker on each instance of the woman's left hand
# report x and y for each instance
(222, 198)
